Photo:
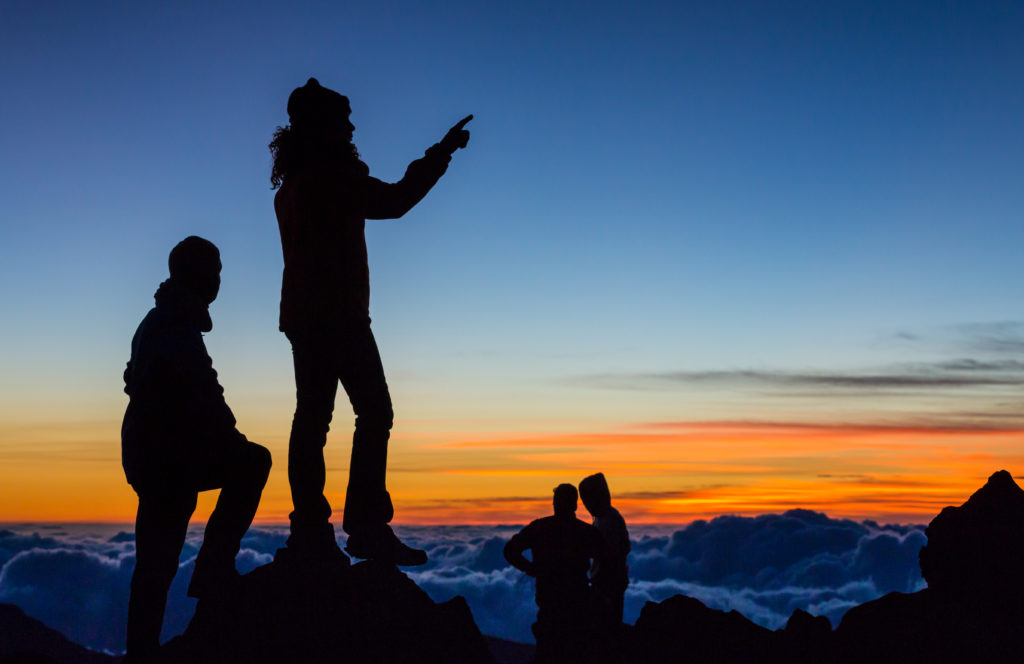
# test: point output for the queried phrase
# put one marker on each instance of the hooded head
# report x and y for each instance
(565, 500)
(594, 492)
(195, 268)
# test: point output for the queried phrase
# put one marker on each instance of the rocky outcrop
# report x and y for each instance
(25, 640)
(972, 611)
(973, 608)
(977, 549)
(289, 611)
(682, 629)
(806, 639)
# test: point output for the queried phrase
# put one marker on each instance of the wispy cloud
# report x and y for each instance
(990, 337)
(958, 373)
(995, 337)
(972, 422)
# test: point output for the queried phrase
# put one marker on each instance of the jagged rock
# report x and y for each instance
(928, 628)
(972, 609)
(329, 612)
(25, 640)
(806, 639)
(510, 652)
(978, 548)
(682, 629)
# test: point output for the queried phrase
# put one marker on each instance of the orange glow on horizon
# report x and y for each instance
(669, 473)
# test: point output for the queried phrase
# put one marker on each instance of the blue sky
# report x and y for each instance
(667, 187)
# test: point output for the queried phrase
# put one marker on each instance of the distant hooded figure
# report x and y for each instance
(326, 195)
(179, 438)
(562, 548)
(610, 573)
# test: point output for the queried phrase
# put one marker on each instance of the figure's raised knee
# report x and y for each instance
(259, 460)
(264, 459)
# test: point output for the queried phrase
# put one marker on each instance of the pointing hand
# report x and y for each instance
(457, 137)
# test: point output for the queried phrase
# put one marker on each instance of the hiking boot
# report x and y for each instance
(380, 543)
(312, 545)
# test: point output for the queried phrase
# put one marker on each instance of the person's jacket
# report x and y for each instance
(611, 569)
(321, 213)
(177, 419)
(562, 547)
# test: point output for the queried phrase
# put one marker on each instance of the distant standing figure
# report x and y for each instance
(179, 438)
(610, 573)
(562, 548)
(326, 194)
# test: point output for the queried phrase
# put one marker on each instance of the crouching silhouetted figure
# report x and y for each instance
(610, 574)
(179, 438)
(562, 548)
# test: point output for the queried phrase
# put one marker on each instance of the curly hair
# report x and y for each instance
(290, 150)
(282, 151)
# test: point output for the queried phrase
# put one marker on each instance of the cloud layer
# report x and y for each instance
(76, 580)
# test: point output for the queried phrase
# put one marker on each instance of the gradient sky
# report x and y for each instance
(739, 256)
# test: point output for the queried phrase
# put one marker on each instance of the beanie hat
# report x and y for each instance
(312, 105)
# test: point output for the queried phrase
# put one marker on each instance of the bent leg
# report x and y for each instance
(242, 474)
(316, 384)
(160, 527)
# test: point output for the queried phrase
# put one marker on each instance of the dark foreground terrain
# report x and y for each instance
(971, 611)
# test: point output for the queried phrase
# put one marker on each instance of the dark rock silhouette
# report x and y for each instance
(682, 629)
(24, 640)
(978, 548)
(973, 608)
(510, 652)
(806, 639)
(328, 612)
(972, 611)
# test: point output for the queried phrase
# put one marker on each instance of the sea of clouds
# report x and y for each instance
(76, 578)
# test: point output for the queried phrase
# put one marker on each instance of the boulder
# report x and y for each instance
(25, 640)
(976, 551)
(327, 611)
(682, 629)
(972, 609)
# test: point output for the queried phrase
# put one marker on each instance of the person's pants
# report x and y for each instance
(563, 628)
(161, 524)
(613, 594)
(321, 361)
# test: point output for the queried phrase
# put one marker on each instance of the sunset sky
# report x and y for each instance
(741, 257)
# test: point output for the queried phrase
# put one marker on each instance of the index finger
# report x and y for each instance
(463, 121)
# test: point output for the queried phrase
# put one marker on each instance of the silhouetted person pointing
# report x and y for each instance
(179, 438)
(562, 547)
(326, 194)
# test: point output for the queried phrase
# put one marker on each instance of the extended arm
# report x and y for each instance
(392, 200)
